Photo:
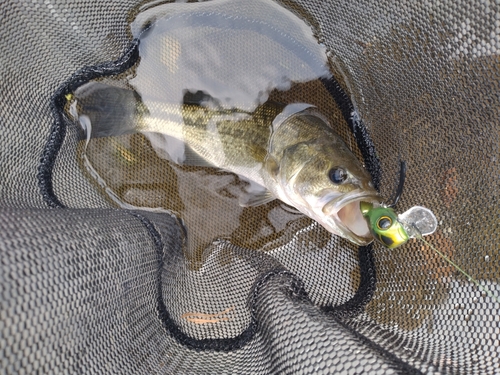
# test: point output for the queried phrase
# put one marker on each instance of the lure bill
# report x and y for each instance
(393, 230)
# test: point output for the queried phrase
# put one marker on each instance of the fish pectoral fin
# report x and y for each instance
(271, 166)
(256, 198)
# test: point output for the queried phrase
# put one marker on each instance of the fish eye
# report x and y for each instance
(384, 222)
(337, 175)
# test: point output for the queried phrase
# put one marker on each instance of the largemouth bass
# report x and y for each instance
(286, 152)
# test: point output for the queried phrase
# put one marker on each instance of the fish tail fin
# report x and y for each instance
(112, 111)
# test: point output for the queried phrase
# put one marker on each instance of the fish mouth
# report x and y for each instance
(346, 213)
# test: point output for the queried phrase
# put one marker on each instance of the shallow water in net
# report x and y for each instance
(233, 58)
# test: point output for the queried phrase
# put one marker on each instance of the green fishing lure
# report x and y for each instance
(384, 225)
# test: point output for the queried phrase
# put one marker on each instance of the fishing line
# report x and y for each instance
(399, 189)
(470, 278)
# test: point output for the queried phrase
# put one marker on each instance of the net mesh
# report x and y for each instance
(92, 289)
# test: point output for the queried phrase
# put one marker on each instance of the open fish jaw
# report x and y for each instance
(348, 218)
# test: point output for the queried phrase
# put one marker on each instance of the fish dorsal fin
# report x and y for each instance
(200, 98)
(288, 111)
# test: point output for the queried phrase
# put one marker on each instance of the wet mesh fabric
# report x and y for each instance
(89, 288)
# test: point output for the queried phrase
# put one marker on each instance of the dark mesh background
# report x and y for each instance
(82, 289)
